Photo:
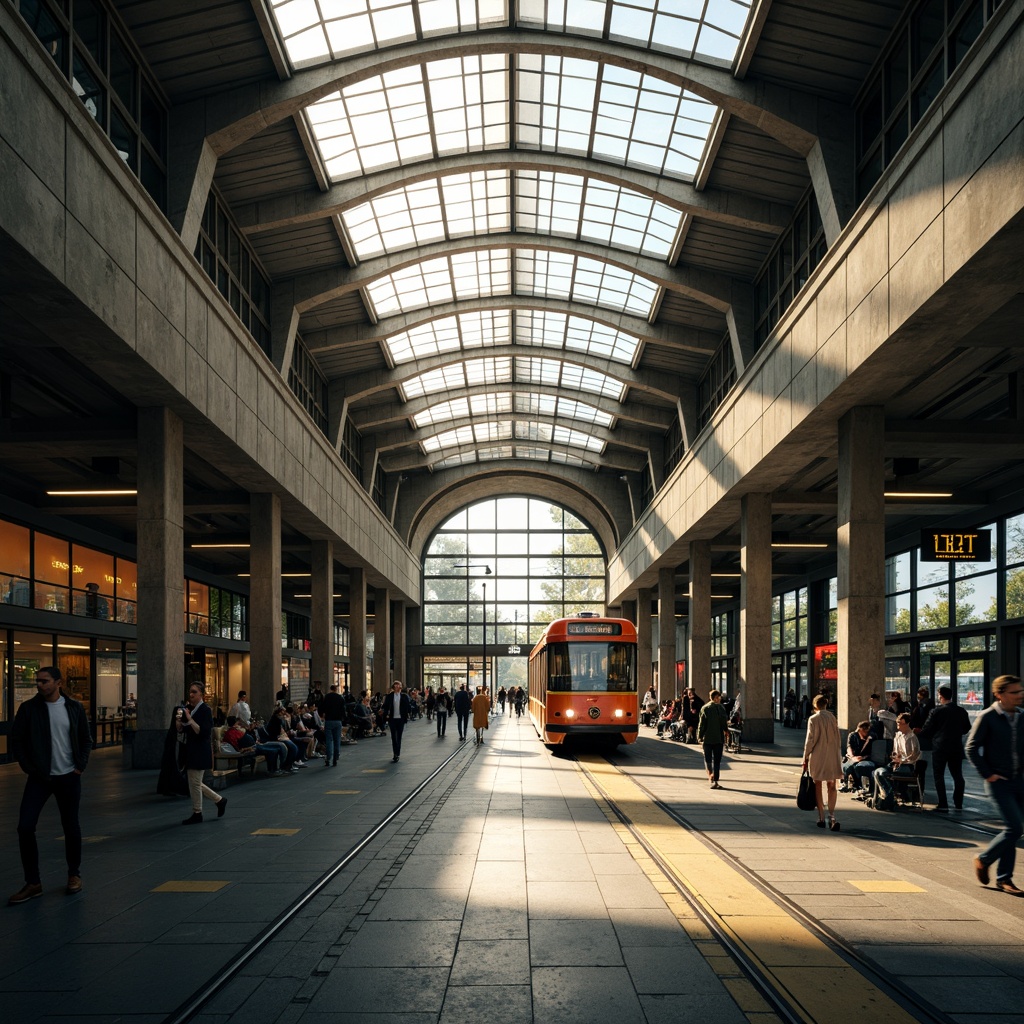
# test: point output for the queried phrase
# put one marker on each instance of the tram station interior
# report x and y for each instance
(352, 341)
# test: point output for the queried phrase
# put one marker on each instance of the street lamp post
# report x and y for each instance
(487, 572)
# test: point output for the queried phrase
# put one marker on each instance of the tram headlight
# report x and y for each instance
(570, 713)
(619, 713)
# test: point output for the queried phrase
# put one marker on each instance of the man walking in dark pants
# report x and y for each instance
(463, 705)
(50, 740)
(442, 706)
(396, 713)
(996, 748)
(945, 727)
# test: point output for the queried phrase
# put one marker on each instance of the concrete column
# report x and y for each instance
(357, 631)
(756, 618)
(382, 640)
(398, 647)
(264, 601)
(860, 537)
(667, 630)
(628, 608)
(161, 581)
(322, 613)
(644, 662)
(698, 660)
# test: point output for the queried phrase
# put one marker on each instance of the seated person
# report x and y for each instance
(279, 757)
(361, 718)
(230, 741)
(857, 764)
(671, 714)
(905, 753)
(279, 729)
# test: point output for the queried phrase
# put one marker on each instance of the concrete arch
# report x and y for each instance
(745, 212)
(574, 491)
(674, 336)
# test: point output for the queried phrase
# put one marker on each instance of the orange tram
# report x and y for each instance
(583, 681)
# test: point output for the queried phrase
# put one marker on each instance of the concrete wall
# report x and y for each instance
(935, 248)
(91, 262)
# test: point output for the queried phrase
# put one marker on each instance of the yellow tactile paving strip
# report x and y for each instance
(186, 886)
(805, 972)
(341, 792)
(276, 832)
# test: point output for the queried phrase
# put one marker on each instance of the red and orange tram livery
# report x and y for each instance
(583, 681)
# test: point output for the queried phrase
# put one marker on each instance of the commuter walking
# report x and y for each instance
(996, 748)
(334, 712)
(711, 729)
(442, 708)
(481, 707)
(194, 720)
(397, 708)
(823, 758)
(50, 740)
(944, 729)
(502, 695)
(463, 705)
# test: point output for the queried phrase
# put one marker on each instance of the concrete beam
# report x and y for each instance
(383, 415)
(665, 386)
(745, 212)
(711, 289)
(610, 460)
(673, 336)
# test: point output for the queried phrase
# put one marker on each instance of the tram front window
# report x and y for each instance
(591, 667)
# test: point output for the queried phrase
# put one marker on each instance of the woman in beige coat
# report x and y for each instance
(823, 758)
(481, 706)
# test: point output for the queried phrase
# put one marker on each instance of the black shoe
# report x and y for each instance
(222, 806)
(394, 760)
(334, 764)
(196, 819)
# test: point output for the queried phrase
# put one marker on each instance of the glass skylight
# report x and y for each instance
(502, 403)
(610, 113)
(465, 331)
(355, 26)
(496, 430)
(553, 434)
(429, 211)
(459, 375)
(537, 404)
(582, 279)
(465, 275)
(481, 406)
(696, 30)
(530, 370)
(415, 113)
(575, 333)
(570, 205)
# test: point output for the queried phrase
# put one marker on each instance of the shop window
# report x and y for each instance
(15, 564)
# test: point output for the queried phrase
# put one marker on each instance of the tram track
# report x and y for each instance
(774, 984)
(195, 1003)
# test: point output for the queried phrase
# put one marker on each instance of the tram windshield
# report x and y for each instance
(591, 666)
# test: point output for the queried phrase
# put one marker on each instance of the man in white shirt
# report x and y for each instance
(905, 754)
(51, 741)
(241, 710)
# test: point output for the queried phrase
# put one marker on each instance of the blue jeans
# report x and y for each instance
(855, 771)
(332, 740)
(1008, 796)
(67, 790)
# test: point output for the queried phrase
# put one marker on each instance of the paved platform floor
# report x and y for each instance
(508, 890)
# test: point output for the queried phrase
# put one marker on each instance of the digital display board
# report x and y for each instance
(952, 545)
(593, 628)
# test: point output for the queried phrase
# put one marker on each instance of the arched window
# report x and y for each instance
(544, 563)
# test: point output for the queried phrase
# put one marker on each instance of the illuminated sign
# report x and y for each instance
(515, 649)
(951, 545)
(594, 629)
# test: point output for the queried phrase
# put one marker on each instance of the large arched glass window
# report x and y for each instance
(545, 563)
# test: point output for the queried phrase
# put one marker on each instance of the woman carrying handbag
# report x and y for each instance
(823, 758)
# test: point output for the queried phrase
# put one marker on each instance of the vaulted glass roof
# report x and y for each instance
(575, 106)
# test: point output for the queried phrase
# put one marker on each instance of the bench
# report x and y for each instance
(228, 767)
(734, 740)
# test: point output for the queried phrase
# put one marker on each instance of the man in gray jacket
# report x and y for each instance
(996, 748)
(51, 741)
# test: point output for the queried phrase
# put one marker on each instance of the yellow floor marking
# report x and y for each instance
(87, 839)
(799, 965)
(190, 887)
(341, 792)
(374, 771)
(275, 832)
(884, 885)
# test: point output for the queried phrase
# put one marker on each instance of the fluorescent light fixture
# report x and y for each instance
(723, 597)
(725, 575)
(284, 575)
(90, 493)
(310, 595)
(797, 545)
(918, 494)
(73, 647)
(217, 546)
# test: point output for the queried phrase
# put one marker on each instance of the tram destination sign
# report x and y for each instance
(952, 545)
(593, 629)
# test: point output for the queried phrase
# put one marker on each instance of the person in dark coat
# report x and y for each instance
(945, 728)
(172, 780)
(195, 720)
(50, 740)
(397, 708)
(463, 705)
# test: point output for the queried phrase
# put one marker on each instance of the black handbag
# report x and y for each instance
(806, 799)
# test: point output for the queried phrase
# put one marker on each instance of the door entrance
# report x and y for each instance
(967, 675)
